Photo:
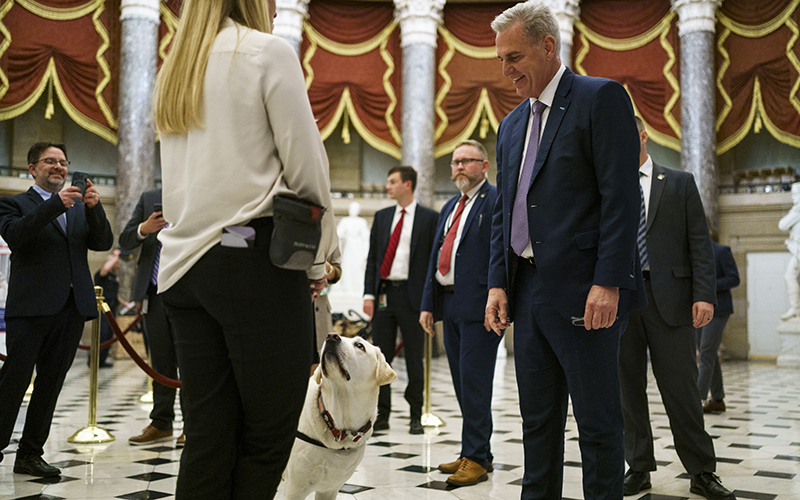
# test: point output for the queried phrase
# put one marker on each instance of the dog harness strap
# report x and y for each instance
(309, 440)
(340, 434)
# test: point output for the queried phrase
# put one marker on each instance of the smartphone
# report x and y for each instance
(158, 208)
(79, 179)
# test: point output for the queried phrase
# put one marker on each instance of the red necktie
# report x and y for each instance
(388, 258)
(450, 238)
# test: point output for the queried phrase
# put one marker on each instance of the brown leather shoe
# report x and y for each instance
(468, 473)
(714, 406)
(181, 441)
(150, 435)
(451, 467)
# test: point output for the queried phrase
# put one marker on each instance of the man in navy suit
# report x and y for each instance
(563, 263)
(400, 244)
(679, 273)
(49, 229)
(456, 292)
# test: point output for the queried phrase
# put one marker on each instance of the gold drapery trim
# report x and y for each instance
(60, 14)
(103, 65)
(4, 84)
(795, 62)
(472, 51)
(657, 137)
(51, 76)
(171, 22)
(758, 116)
(344, 49)
(380, 42)
(447, 84)
(726, 62)
(346, 106)
(660, 30)
(484, 106)
(762, 29)
(625, 44)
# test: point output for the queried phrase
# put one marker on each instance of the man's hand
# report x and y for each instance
(496, 318)
(317, 286)
(702, 313)
(91, 197)
(426, 320)
(69, 195)
(153, 224)
(601, 307)
(369, 307)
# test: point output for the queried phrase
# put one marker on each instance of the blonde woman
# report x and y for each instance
(236, 129)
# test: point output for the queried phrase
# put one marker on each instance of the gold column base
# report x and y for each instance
(91, 434)
(146, 397)
(431, 420)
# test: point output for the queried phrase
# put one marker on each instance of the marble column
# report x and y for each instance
(289, 22)
(698, 133)
(136, 164)
(418, 21)
(567, 12)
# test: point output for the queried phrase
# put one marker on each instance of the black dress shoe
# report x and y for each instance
(416, 427)
(35, 466)
(381, 424)
(635, 482)
(709, 485)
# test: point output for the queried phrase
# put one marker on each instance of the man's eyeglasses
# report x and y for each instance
(464, 161)
(53, 161)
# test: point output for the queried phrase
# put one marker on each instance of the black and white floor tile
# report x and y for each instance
(757, 443)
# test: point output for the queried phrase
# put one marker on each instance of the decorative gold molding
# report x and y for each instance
(624, 44)
(795, 62)
(60, 14)
(343, 49)
(472, 51)
(4, 84)
(762, 29)
(673, 82)
(484, 105)
(726, 62)
(101, 62)
(447, 84)
(171, 22)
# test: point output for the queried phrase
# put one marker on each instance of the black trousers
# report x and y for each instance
(400, 312)
(243, 332)
(49, 344)
(163, 359)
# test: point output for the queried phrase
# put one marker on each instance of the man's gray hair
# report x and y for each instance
(475, 144)
(537, 19)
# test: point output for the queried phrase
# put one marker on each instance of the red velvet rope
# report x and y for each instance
(161, 379)
(107, 343)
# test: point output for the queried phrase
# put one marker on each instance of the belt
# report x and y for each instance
(394, 283)
(447, 288)
(646, 274)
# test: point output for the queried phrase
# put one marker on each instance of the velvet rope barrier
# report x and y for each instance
(107, 343)
(161, 379)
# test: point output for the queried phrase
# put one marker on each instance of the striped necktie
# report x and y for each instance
(641, 239)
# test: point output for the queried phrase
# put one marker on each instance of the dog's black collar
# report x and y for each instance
(310, 440)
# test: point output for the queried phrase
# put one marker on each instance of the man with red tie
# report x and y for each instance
(400, 244)
(456, 293)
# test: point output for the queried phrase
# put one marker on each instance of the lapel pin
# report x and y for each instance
(483, 195)
(661, 177)
(561, 108)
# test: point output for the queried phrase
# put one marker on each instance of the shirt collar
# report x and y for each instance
(409, 209)
(549, 92)
(647, 167)
(472, 192)
(42, 192)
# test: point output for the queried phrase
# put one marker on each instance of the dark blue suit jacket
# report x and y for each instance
(422, 238)
(44, 260)
(583, 202)
(471, 263)
(129, 240)
(727, 278)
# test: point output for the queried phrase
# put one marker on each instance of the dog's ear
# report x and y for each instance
(318, 374)
(384, 373)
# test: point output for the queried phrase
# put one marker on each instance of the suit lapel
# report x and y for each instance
(480, 198)
(446, 209)
(657, 184)
(414, 234)
(36, 198)
(516, 144)
(554, 118)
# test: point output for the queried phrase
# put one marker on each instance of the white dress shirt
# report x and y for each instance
(547, 96)
(450, 277)
(402, 257)
(646, 181)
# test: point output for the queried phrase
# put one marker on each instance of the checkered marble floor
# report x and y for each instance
(757, 443)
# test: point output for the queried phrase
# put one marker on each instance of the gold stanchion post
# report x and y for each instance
(92, 433)
(147, 397)
(429, 419)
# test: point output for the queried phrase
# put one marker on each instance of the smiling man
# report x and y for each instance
(563, 264)
(49, 229)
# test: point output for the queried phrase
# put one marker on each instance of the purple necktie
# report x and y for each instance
(519, 216)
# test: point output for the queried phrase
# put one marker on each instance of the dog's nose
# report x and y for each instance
(333, 338)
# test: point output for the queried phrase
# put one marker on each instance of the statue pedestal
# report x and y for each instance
(789, 356)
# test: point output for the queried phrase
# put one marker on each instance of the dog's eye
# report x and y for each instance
(360, 346)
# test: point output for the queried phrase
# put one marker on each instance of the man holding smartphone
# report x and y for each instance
(49, 229)
(142, 229)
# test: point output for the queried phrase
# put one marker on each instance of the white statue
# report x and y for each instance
(353, 234)
(791, 222)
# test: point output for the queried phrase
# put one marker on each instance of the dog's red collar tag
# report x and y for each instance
(340, 434)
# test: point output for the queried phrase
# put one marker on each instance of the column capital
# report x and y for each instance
(419, 20)
(695, 15)
(566, 12)
(289, 21)
(147, 10)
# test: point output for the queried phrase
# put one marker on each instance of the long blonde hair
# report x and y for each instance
(179, 85)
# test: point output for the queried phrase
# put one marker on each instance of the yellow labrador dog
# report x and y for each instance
(341, 406)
